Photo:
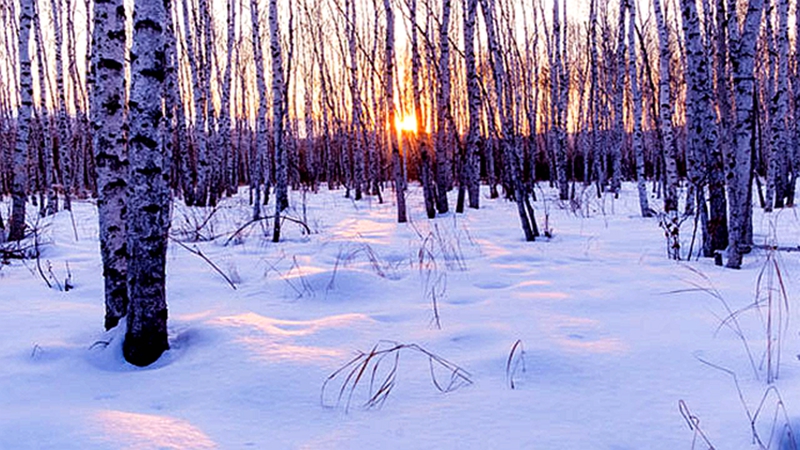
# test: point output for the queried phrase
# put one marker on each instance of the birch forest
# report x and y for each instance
(145, 108)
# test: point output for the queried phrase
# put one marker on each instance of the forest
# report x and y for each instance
(222, 222)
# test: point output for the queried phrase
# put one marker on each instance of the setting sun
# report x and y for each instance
(407, 123)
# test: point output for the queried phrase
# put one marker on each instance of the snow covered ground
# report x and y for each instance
(611, 343)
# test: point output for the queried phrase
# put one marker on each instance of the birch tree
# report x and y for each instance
(225, 141)
(474, 104)
(558, 101)
(278, 119)
(16, 225)
(636, 94)
(148, 193)
(779, 141)
(443, 139)
(619, 93)
(111, 156)
(743, 50)
(396, 165)
(511, 154)
(355, 94)
(668, 134)
(711, 142)
(257, 160)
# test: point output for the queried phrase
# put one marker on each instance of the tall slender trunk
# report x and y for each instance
(355, 94)
(64, 141)
(16, 225)
(443, 131)
(558, 103)
(257, 159)
(668, 134)
(389, 98)
(594, 102)
(49, 177)
(473, 105)
(278, 119)
(743, 50)
(225, 141)
(619, 93)
(148, 193)
(107, 85)
(779, 101)
(636, 93)
(511, 153)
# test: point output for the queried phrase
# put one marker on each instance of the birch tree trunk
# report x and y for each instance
(796, 129)
(49, 179)
(389, 98)
(16, 224)
(708, 145)
(355, 94)
(700, 118)
(64, 141)
(558, 104)
(148, 194)
(743, 50)
(443, 112)
(225, 141)
(779, 141)
(722, 97)
(202, 96)
(668, 135)
(594, 102)
(107, 86)
(278, 119)
(636, 94)
(257, 160)
(473, 104)
(511, 155)
(619, 93)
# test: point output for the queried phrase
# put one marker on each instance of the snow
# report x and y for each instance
(612, 332)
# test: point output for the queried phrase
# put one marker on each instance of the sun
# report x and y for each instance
(407, 123)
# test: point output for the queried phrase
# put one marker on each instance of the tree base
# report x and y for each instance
(144, 350)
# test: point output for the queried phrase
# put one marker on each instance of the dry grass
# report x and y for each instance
(374, 375)
(771, 296)
(730, 320)
(516, 360)
(693, 422)
(777, 424)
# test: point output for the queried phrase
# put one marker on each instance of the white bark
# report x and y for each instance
(225, 126)
(668, 134)
(474, 105)
(148, 193)
(779, 140)
(111, 155)
(396, 165)
(278, 118)
(743, 50)
(16, 226)
(619, 93)
(258, 159)
(636, 93)
(559, 100)
(357, 131)
(443, 131)
(511, 153)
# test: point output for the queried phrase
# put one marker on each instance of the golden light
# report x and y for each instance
(407, 123)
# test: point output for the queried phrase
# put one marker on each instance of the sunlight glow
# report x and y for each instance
(407, 123)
